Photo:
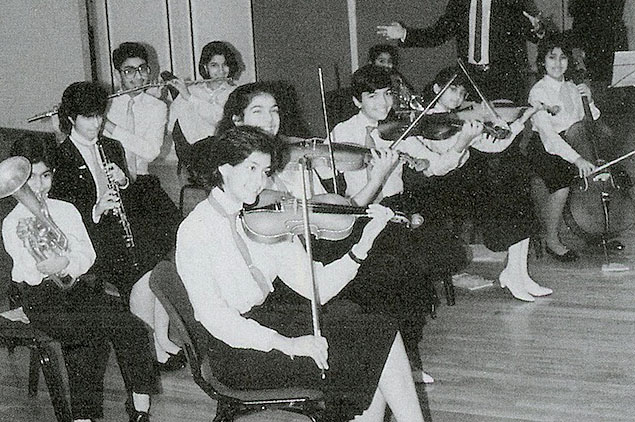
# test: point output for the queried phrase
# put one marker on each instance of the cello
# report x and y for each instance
(599, 206)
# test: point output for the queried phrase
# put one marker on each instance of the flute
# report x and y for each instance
(54, 110)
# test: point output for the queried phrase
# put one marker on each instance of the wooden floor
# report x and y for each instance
(569, 357)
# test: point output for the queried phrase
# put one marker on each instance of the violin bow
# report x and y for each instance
(611, 163)
(480, 93)
(423, 112)
(329, 141)
(315, 296)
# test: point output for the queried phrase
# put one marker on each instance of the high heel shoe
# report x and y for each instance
(536, 289)
(568, 256)
(516, 289)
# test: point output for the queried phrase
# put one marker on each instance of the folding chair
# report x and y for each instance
(273, 404)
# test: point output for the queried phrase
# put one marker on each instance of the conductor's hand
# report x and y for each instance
(312, 346)
(52, 265)
(394, 31)
(382, 162)
(584, 167)
(108, 201)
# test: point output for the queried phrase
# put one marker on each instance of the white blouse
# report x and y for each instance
(81, 254)
(221, 286)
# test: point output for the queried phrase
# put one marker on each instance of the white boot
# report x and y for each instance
(531, 286)
(512, 276)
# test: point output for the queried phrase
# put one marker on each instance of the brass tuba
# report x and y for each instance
(42, 238)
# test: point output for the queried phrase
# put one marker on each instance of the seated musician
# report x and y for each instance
(230, 278)
(466, 182)
(81, 317)
(551, 157)
(400, 280)
(137, 120)
(198, 108)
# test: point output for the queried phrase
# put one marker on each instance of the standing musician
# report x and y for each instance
(230, 279)
(491, 36)
(82, 318)
(474, 174)
(552, 158)
(197, 109)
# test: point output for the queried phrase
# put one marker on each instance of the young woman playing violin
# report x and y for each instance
(382, 281)
(475, 175)
(258, 346)
(551, 157)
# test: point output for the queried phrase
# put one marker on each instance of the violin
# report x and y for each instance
(440, 126)
(331, 217)
(347, 156)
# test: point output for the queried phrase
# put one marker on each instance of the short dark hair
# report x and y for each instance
(377, 49)
(239, 100)
(547, 44)
(36, 149)
(218, 48)
(445, 75)
(127, 50)
(369, 78)
(233, 147)
(81, 98)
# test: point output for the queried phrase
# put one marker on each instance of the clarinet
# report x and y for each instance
(119, 211)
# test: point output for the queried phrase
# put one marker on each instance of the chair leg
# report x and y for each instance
(450, 296)
(34, 372)
(50, 369)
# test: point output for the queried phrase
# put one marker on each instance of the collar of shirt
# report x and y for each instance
(226, 201)
(81, 140)
(364, 120)
(553, 84)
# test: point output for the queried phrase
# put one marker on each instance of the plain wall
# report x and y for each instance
(42, 53)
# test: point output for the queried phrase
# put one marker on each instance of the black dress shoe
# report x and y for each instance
(174, 362)
(568, 256)
(138, 416)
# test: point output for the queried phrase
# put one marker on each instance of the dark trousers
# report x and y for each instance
(83, 319)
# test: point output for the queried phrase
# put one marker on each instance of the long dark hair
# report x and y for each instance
(218, 48)
(239, 100)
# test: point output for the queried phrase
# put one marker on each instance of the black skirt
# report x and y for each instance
(358, 348)
(556, 172)
(492, 189)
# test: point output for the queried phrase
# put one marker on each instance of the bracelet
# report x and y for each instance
(354, 257)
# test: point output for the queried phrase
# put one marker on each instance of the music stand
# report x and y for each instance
(623, 69)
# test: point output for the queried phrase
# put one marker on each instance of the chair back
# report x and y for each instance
(166, 284)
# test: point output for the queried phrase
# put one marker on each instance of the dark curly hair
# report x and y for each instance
(377, 49)
(369, 78)
(233, 147)
(127, 50)
(36, 148)
(239, 100)
(218, 48)
(547, 44)
(81, 98)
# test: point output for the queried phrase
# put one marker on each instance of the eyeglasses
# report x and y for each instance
(130, 71)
